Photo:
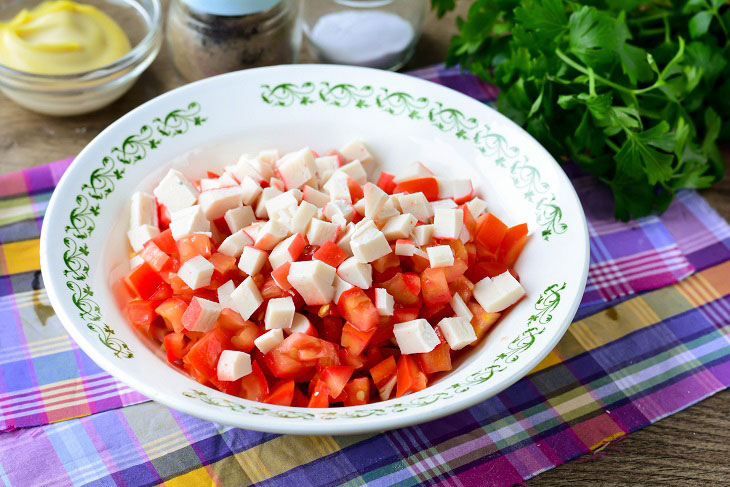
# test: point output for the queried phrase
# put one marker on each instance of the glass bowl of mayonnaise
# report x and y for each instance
(62, 57)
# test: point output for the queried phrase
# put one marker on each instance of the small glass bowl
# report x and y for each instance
(73, 94)
(375, 33)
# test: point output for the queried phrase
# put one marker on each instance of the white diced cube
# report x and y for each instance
(269, 340)
(464, 234)
(233, 244)
(440, 256)
(369, 245)
(224, 294)
(142, 210)
(443, 204)
(227, 179)
(460, 307)
(135, 261)
(243, 169)
(278, 184)
(263, 167)
(384, 302)
(269, 156)
(364, 224)
(375, 198)
(476, 207)
(415, 171)
(317, 198)
(355, 170)
(206, 184)
(337, 187)
(251, 190)
(359, 207)
(387, 211)
(417, 205)
(283, 201)
(313, 280)
(399, 226)
(296, 168)
(356, 273)
(201, 315)
(188, 220)
(326, 166)
(301, 324)
(288, 250)
(387, 389)
(405, 247)
(460, 190)
(141, 235)
(416, 336)
(266, 195)
(340, 287)
(356, 149)
(216, 202)
(271, 234)
(238, 218)
(253, 229)
(252, 260)
(279, 313)
(339, 212)
(498, 293)
(232, 365)
(447, 223)
(321, 232)
(302, 216)
(196, 272)
(421, 253)
(344, 241)
(246, 298)
(423, 235)
(175, 191)
(457, 331)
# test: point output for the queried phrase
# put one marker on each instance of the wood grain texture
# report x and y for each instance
(689, 448)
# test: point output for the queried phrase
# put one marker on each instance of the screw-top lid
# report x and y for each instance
(230, 7)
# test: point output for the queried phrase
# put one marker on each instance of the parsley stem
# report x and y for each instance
(612, 145)
(586, 71)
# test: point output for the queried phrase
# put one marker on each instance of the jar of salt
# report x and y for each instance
(375, 33)
(209, 37)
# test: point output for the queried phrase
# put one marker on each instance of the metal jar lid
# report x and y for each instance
(230, 8)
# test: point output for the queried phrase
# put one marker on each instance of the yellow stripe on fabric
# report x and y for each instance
(196, 478)
(23, 256)
(553, 358)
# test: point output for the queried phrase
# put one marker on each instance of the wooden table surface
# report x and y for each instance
(689, 448)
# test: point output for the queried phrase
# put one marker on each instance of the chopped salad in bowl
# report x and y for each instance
(290, 279)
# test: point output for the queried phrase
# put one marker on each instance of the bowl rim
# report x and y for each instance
(138, 52)
(288, 425)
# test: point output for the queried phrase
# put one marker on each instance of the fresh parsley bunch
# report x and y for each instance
(636, 92)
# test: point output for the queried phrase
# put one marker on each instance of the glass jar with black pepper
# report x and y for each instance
(209, 37)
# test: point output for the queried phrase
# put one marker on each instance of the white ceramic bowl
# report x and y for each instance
(209, 123)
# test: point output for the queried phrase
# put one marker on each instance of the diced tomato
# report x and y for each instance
(144, 281)
(386, 183)
(356, 193)
(165, 242)
(458, 249)
(346, 358)
(419, 264)
(283, 366)
(320, 396)
(203, 356)
(271, 290)
(512, 244)
(175, 346)
(485, 268)
(357, 392)
(172, 311)
(410, 376)
(188, 246)
(254, 386)
(404, 289)
(211, 175)
(383, 333)
(435, 288)
(336, 377)
(331, 329)
(355, 340)
(428, 186)
(354, 306)
(383, 372)
(163, 292)
(463, 286)
(469, 221)
(434, 314)
(308, 252)
(141, 313)
(155, 257)
(231, 321)
(280, 275)
(455, 271)
(330, 254)
(438, 359)
(300, 400)
(482, 321)
(401, 315)
(243, 340)
(163, 216)
(282, 394)
(471, 252)
(491, 233)
(223, 263)
(309, 350)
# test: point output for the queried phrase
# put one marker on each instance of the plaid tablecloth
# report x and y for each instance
(629, 361)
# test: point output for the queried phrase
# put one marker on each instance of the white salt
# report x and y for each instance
(362, 38)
